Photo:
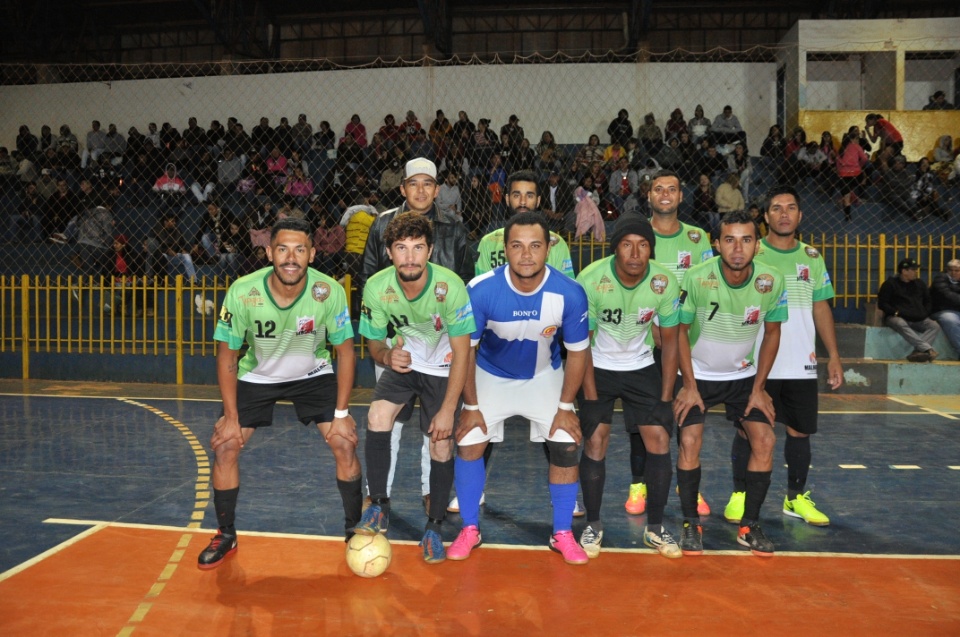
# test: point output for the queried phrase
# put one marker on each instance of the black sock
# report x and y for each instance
(593, 475)
(225, 504)
(351, 494)
(441, 482)
(796, 451)
(659, 473)
(739, 459)
(688, 481)
(486, 454)
(757, 484)
(638, 457)
(377, 450)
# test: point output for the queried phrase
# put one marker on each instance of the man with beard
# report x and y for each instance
(427, 359)
(723, 304)
(286, 314)
(792, 382)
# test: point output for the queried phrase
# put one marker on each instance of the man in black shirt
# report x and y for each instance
(905, 302)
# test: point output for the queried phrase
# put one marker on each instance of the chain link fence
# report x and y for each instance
(118, 169)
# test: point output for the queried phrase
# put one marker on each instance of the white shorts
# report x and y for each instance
(535, 399)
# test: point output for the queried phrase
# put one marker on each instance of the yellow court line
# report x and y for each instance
(96, 527)
(506, 547)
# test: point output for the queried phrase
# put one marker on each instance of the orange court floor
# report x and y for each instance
(105, 503)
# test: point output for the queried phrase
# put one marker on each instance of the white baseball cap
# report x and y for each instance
(420, 166)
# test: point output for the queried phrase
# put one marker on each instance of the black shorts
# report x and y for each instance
(401, 389)
(896, 147)
(796, 402)
(734, 394)
(849, 185)
(315, 400)
(638, 389)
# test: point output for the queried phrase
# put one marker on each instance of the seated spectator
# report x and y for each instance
(670, 157)
(24, 226)
(349, 154)
(905, 302)
(229, 171)
(851, 161)
(675, 125)
(705, 205)
(259, 221)
(68, 139)
(945, 302)
(879, 128)
(129, 266)
(325, 139)
(463, 128)
(726, 128)
(650, 168)
(205, 177)
(301, 135)
(699, 126)
(896, 188)
(356, 222)
(938, 102)
(329, 240)
(587, 215)
(390, 181)
(235, 250)
(206, 245)
(299, 186)
(262, 137)
(497, 183)
(170, 247)
(623, 182)
(62, 206)
(728, 195)
(762, 226)
(739, 162)
(94, 233)
(390, 132)
(114, 145)
(774, 146)
(46, 184)
(449, 201)
(421, 146)
(477, 206)
(169, 184)
(549, 155)
(94, 146)
(276, 168)
(525, 158)
(810, 162)
(556, 203)
(585, 156)
(481, 147)
(507, 151)
(943, 157)
(46, 139)
(440, 127)
(635, 153)
(926, 199)
(689, 158)
(8, 170)
(26, 169)
(68, 159)
(103, 174)
(513, 130)
(711, 162)
(27, 143)
(411, 127)
(612, 155)
(650, 135)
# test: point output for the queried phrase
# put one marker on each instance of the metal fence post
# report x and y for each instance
(25, 323)
(178, 328)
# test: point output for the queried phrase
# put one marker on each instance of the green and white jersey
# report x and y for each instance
(620, 317)
(491, 253)
(807, 280)
(724, 321)
(682, 250)
(426, 323)
(286, 343)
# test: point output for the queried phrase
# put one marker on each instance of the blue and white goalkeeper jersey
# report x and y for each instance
(519, 334)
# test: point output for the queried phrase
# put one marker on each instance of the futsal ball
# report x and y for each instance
(368, 555)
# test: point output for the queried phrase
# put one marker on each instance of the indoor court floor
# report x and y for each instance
(105, 502)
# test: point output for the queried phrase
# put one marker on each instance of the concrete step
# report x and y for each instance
(880, 343)
(894, 377)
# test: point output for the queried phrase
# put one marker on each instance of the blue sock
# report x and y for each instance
(564, 498)
(470, 476)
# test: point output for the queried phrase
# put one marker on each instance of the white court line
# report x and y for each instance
(509, 547)
(97, 526)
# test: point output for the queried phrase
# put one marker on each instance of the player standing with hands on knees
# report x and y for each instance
(286, 314)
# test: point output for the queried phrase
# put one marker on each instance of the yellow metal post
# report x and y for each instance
(179, 328)
(25, 323)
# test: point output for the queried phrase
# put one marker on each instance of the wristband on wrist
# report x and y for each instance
(341, 413)
(467, 407)
(565, 406)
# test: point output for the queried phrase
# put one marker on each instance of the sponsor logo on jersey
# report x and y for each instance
(782, 301)
(644, 315)
(745, 364)
(706, 254)
(604, 285)
(763, 283)
(253, 292)
(694, 235)
(684, 260)
(811, 252)
(343, 318)
(826, 278)
(527, 313)
(803, 273)
(437, 322)
(682, 297)
(659, 284)
(676, 303)
(226, 317)
(813, 358)
(389, 295)
(464, 312)
(448, 359)
(751, 315)
(252, 302)
(711, 282)
(320, 292)
(319, 368)
(305, 325)
(549, 331)
(440, 291)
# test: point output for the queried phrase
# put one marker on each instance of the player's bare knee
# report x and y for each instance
(381, 416)
(656, 438)
(563, 454)
(342, 448)
(596, 445)
(442, 450)
(471, 452)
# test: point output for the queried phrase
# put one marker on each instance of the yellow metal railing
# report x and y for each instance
(158, 316)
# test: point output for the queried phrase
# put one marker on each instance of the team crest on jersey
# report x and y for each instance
(763, 283)
(604, 284)
(694, 235)
(684, 260)
(320, 292)
(437, 322)
(659, 284)
(549, 331)
(803, 273)
(811, 252)
(440, 291)
(389, 295)
(554, 239)
(751, 315)
(343, 318)
(305, 325)
(644, 315)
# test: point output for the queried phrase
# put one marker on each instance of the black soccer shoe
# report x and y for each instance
(220, 548)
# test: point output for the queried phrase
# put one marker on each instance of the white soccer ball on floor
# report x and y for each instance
(369, 555)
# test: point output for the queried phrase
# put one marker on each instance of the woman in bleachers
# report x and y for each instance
(699, 126)
(550, 156)
(943, 157)
(924, 193)
(204, 177)
(704, 203)
(588, 154)
(526, 157)
(259, 221)
(588, 215)
(851, 161)
(298, 186)
(688, 158)
(739, 162)
(676, 125)
(477, 205)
